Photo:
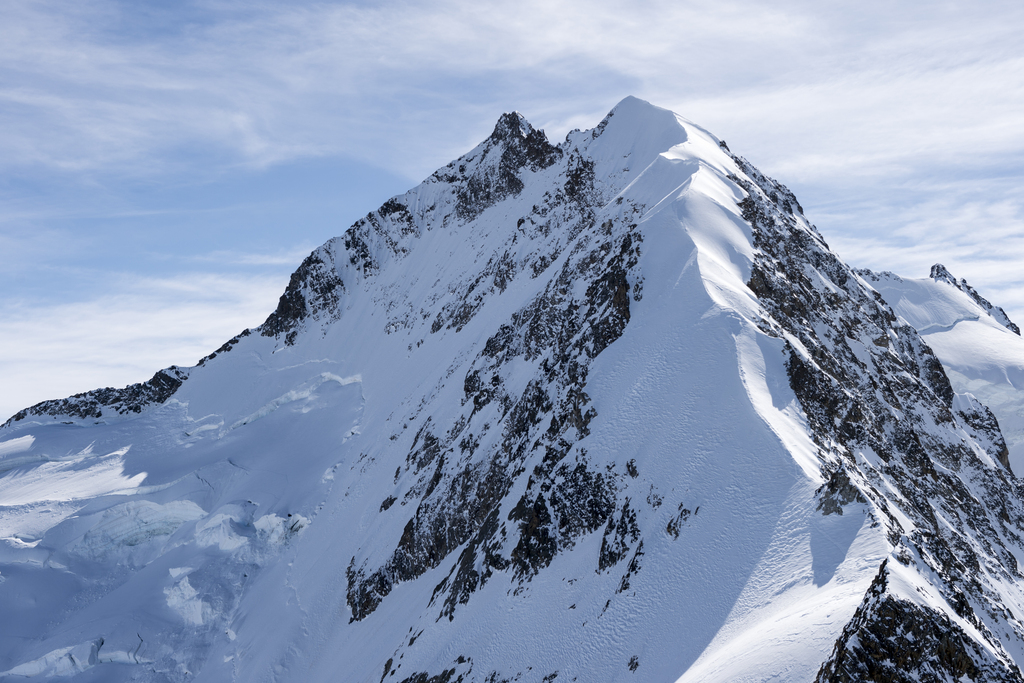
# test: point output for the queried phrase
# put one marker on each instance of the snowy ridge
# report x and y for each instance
(599, 410)
(939, 273)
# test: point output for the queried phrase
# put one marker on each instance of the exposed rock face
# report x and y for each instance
(513, 147)
(313, 290)
(890, 640)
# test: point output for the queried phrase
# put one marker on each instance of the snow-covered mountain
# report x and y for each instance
(980, 347)
(602, 410)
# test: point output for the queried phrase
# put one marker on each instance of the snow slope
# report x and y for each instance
(606, 410)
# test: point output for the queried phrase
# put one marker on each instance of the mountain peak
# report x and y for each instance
(635, 104)
(511, 125)
(635, 117)
(507, 406)
(941, 273)
(522, 143)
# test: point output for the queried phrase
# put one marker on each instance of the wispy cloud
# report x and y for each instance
(898, 125)
(270, 82)
(287, 258)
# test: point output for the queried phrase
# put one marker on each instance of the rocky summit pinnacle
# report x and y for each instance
(600, 409)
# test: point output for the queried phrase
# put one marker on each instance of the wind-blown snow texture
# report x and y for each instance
(603, 410)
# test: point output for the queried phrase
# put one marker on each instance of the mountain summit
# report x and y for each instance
(608, 409)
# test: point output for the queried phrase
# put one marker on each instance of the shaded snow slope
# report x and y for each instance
(978, 345)
(600, 410)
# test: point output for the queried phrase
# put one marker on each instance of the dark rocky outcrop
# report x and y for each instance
(314, 288)
(564, 498)
(837, 493)
(890, 640)
(512, 148)
(225, 347)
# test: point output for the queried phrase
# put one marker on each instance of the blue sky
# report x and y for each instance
(164, 166)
